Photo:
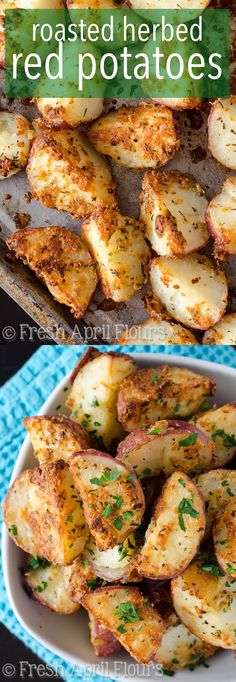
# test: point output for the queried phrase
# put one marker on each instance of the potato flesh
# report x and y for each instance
(114, 564)
(179, 648)
(55, 438)
(79, 578)
(62, 111)
(224, 537)
(94, 393)
(192, 289)
(173, 211)
(220, 217)
(136, 137)
(168, 4)
(223, 333)
(61, 260)
(217, 488)
(16, 135)
(162, 393)
(206, 605)
(221, 425)
(66, 173)
(44, 508)
(150, 454)
(179, 102)
(221, 131)
(157, 332)
(173, 537)
(118, 246)
(48, 587)
(102, 481)
(140, 637)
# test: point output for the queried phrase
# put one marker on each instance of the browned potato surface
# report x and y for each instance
(205, 601)
(44, 516)
(113, 500)
(173, 209)
(118, 246)
(16, 135)
(220, 426)
(65, 172)
(156, 332)
(161, 393)
(61, 260)
(80, 579)
(69, 112)
(179, 102)
(224, 536)
(220, 217)
(221, 131)
(131, 618)
(175, 530)
(136, 137)
(223, 333)
(55, 437)
(179, 648)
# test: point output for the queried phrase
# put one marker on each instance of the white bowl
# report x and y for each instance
(68, 636)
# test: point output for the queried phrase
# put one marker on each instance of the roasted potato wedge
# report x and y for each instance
(151, 394)
(80, 579)
(118, 246)
(48, 587)
(173, 209)
(205, 601)
(220, 425)
(142, 5)
(93, 397)
(66, 173)
(113, 499)
(115, 564)
(157, 331)
(16, 135)
(69, 112)
(136, 137)
(103, 641)
(175, 530)
(217, 488)
(179, 648)
(220, 218)
(61, 260)
(179, 102)
(131, 618)
(224, 537)
(223, 333)
(193, 289)
(221, 131)
(43, 514)
(55, 437)
(165, 446)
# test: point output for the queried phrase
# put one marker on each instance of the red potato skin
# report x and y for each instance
(159, 595)
(141, 436)
(91, 354)
(103, 640)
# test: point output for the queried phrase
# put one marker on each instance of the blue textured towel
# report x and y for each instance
(25, 394)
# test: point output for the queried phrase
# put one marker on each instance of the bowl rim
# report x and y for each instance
(144, 359)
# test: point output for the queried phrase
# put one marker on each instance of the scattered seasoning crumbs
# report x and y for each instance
(191, 440)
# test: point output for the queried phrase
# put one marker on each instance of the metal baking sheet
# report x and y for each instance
(105, 319)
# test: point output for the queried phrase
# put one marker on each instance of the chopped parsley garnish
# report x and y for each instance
(107, 511)
(123, 552)
(204, 406)
(121, 628)
(127, 612)
(186, 507)
(230, 569)
(13, 529)
(130, 477)
(117, 523)
(154, 378)
(210, 566)
(38, 562)
(95, 402)
(128, 515)
(154, 432)
(42, 587)
(228, 440)
(182, 482)
(107, 477)
(92, 583)
(85, 422)
(177, 407)
(167, 672)
(118, 502)
(190, 440)
(145, 472)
